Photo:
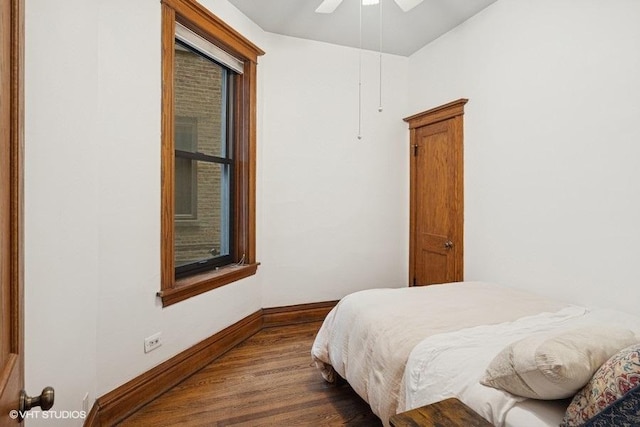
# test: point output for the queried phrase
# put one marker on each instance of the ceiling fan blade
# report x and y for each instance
(407, 5)
(328, 6)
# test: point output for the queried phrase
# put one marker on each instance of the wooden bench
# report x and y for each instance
(449, 413)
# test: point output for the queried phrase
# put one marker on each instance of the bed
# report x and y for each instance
(400, 349)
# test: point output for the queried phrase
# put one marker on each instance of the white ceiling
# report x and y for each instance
(403, 32)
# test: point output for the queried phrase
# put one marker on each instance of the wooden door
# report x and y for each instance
(11, 131)
(436, 235)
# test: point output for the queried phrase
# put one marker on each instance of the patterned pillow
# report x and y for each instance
(612, 396)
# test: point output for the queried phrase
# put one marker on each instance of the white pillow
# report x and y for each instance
(555, 366)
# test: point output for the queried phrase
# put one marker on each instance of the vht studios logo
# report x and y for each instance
(48, 415)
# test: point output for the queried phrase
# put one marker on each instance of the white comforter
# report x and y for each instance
(368, 337)
(440, 366)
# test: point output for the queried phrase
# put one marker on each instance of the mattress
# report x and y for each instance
(536, 413)
(368, 336)
(405, 348)
(452, 364)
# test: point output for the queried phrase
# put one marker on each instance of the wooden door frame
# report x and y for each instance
(451, 110)
(12, 374)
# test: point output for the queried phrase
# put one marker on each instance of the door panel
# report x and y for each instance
(436, 195)
(11, 112)
(434, 179)
(435, 175)
(433, 266)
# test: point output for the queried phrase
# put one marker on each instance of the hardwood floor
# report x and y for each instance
(267, 380)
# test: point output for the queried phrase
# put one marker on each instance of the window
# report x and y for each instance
(204, 95)
(208, 152)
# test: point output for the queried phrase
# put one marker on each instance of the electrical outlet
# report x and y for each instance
(152, 342)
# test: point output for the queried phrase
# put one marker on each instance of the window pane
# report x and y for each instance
(201, 96)
(186, 133)
(186, 189)
(207, 236)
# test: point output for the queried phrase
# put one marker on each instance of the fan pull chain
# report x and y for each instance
(360, 77)
(380, 59)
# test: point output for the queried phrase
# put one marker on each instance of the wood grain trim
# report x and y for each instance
(17, 178)
(167, 167)
(12, 198)
(92, 419)
(458, 130)
(199, 19)
(118, 404)
(199, 283)
(437, 114)
(412, 207)
(294, 314)
(251, 84)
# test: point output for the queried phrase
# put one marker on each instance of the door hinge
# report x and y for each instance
(415, 149)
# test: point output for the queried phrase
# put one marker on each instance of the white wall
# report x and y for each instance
(334, 215)
(552, 184)
(332, 211)
(61, 201)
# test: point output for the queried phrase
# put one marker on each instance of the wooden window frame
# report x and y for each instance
(199, 20)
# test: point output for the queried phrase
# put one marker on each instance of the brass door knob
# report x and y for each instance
(448, 244)
(44, 401)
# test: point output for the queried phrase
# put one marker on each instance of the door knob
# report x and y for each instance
(44, 401)
(448, 244)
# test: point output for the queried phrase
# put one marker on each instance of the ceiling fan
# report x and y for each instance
(328, 6)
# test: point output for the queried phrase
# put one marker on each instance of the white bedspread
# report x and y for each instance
(440, 366)
(368, 336)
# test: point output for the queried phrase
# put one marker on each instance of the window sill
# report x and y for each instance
(199, 283)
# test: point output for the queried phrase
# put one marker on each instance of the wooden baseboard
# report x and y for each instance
(294, 314)
(115, 406)
(92, 416)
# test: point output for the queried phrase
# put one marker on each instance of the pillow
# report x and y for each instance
(612, 396)
(554, 366)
